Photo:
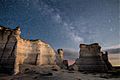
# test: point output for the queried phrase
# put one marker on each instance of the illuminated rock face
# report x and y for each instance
(15, 50)
(90, 58)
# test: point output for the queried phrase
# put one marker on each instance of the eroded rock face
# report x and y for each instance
(90, 58)
(15, 50)
(63, 64)
(8, 42)
(89, 50)
(106, 60)
(59, 57)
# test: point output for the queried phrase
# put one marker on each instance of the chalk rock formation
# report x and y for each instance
(15, 50)
(105, 58)
(59, 57)
(90, 58)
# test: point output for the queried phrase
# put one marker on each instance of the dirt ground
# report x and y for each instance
(59, 75)
(55, 73)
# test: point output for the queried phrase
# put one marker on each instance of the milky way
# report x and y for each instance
(64, 23)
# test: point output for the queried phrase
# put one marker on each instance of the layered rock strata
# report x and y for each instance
(90, 58)
(15, 50)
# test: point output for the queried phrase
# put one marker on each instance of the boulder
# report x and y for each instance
(73, 67)
(65, 64)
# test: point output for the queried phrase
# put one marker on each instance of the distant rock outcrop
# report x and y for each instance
(60, 59)
(15, 51)
(106, 60)
(90, 59)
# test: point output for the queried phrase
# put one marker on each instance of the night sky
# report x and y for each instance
(64, 23)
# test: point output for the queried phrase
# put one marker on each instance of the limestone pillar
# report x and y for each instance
(59, 57)
(89, 58)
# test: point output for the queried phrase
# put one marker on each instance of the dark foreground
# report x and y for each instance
(56, 74)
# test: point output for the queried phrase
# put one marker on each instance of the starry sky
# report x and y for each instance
(64, 23)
